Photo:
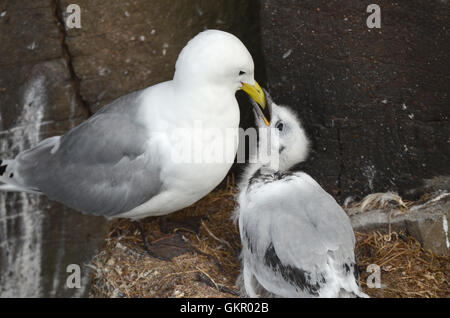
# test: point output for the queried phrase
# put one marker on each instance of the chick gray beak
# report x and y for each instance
(265, 114)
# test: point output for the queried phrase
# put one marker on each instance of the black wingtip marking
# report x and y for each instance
(347, 268)
(352, 268)
(2, 170)
(11, 175)
(294, 275)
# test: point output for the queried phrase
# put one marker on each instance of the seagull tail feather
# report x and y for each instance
(7, 180)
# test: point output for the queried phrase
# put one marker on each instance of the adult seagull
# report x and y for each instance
(120, 162)
(296, 240)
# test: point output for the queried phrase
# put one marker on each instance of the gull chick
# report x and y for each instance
(296, 240)
(121, 162)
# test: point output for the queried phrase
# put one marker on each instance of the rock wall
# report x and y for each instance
(38, 99)
(375, 101)
(125, 46)
(52, 78)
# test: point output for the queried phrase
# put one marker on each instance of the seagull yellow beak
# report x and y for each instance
(257, 94)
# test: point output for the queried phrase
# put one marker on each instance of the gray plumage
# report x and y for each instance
(297, 241)
(67, 170)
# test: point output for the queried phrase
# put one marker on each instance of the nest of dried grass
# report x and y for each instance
(203, 239)
(204, 245)
(407, 270)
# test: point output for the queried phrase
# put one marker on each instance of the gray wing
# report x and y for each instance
(100, 167)
(311, 227)
(305, 225)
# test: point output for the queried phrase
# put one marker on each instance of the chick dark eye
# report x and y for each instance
(279, 126)
(241, 73)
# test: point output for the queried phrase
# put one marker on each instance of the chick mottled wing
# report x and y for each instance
(101, 167)
(312, 221)
(295, 230)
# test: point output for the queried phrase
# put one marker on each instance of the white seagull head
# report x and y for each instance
(218, 59)
(292, 144)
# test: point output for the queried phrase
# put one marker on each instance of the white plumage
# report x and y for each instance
(297, 241)
(122, 161)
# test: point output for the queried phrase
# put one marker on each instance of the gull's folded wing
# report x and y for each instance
(101, 167)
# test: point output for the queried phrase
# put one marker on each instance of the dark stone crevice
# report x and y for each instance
(341, 161)
(59, 21)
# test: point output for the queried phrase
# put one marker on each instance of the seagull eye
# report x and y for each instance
(279, 126)
(241, 73)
